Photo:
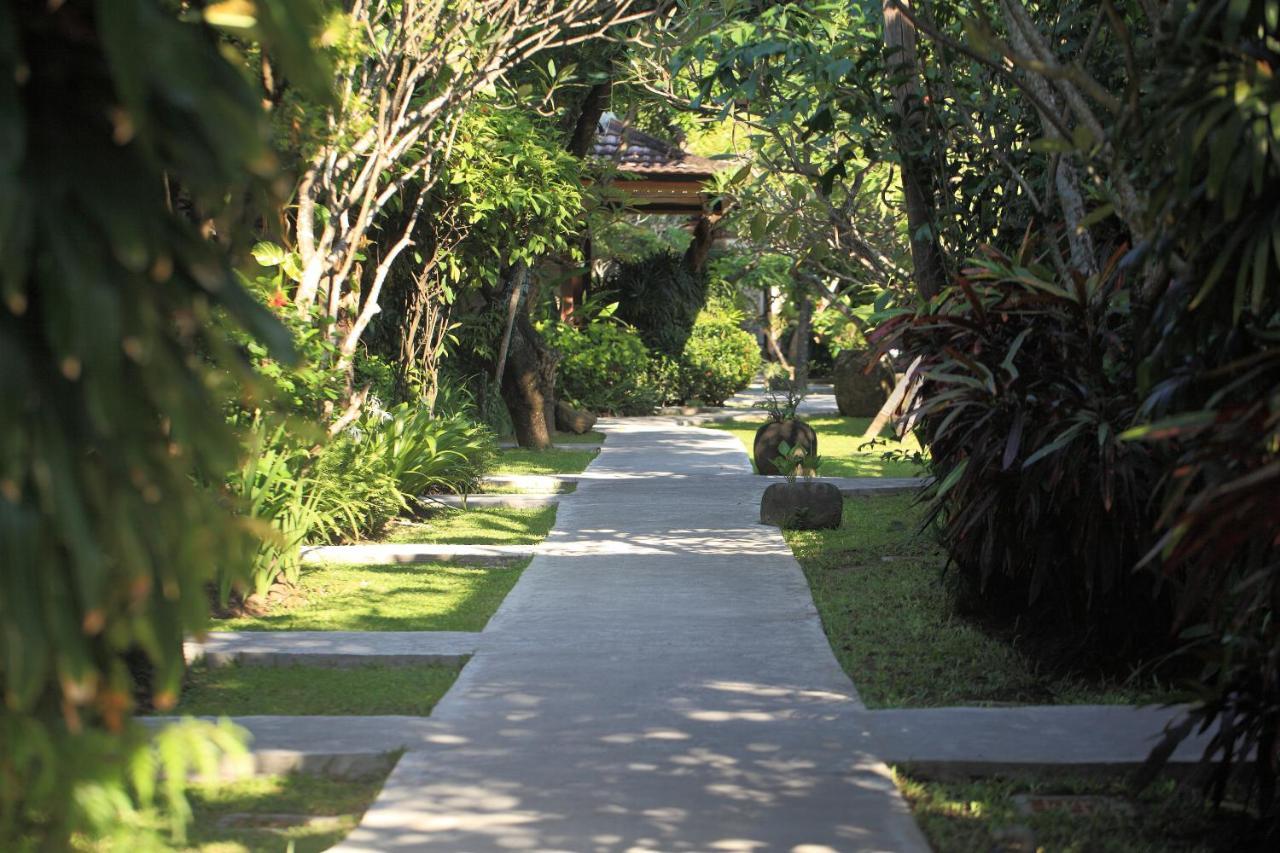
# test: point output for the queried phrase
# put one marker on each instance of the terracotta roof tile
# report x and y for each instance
(639, 153)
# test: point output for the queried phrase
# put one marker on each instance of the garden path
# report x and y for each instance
(657, 680)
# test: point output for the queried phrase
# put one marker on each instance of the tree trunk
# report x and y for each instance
(704, 235)
(929, 271)
(800, 341)
(528, 385)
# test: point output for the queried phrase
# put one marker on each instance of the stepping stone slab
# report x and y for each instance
(491, 501)
(332, 648)
(382, 553)
(986, 740)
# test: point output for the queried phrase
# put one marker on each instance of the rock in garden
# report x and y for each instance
(860, 394)
(569, 419)
(770, 437)
(803, 505)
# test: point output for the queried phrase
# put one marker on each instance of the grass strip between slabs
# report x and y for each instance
(268, 813)
(239, 691)
(395, 597)
(475, 526)
(521, 461)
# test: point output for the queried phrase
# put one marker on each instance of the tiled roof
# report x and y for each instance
(636, 152)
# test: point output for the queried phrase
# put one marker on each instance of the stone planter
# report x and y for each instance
(802, 505)
(770, 437)
(860, 394)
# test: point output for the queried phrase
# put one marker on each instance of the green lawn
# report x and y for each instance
(398, 597)
(981, 816)
(520, 461)
(235, 691)
(478, 526)
(877, 585)
(840, 444)
(252, 801)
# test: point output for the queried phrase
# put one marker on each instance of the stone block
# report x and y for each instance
(802, 505)
(569, 419)
(859, 393)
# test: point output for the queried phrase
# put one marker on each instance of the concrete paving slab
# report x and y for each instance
(332, 648)
(990, 739)
(657, 680)
(383, 553)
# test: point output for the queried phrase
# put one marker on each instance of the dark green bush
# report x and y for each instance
(604, 367)
(719, 360)
(661, 297)
(1043, 508)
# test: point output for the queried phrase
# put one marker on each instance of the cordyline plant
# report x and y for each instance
(406, 72)
(1077, 396)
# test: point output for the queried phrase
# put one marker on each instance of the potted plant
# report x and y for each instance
(800, 504)
(783, 427)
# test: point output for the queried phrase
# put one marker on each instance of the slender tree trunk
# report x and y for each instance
(800, 340)
(929, 271)
(574, 290)
(704, 235)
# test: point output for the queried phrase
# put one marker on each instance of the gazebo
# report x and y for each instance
(656, 177)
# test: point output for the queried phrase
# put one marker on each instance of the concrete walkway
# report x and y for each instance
(657, 680)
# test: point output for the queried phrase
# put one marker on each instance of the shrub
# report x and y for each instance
(1043, 508)
(432, 454)
(660, 297)
(604, 367)
(718, 361)
(354, 490)
(273, 493)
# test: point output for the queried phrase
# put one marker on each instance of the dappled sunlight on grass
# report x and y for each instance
(478, 526)
(245, 815)
(843, 450)
(1053, 811)
(402, 597)
(521, 461)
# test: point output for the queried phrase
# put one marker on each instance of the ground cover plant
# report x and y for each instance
(879, 588)
(844, 452)
(980, 815)
(395, 597)
(238, 691)
(476, 526)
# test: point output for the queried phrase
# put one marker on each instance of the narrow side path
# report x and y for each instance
(657, 680)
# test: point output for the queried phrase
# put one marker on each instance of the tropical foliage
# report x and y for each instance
(116, 380)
